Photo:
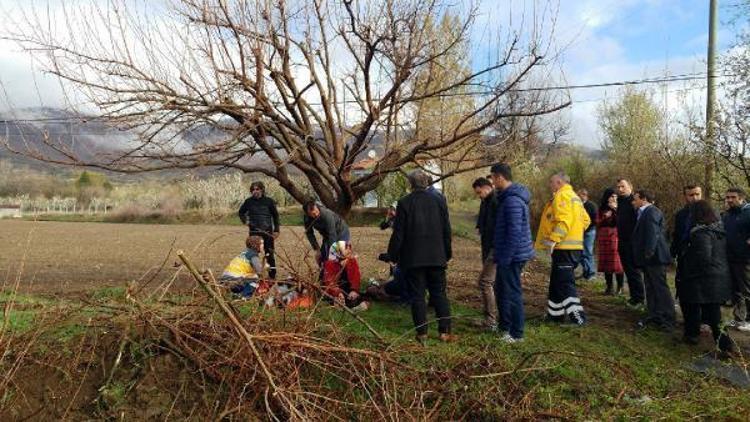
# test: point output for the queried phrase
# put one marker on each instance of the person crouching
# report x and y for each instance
(243, 273)
(341, 276)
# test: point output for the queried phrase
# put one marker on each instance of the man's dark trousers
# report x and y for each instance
(632, 274)
(268, 247)
(509, 297)
(433, 280)
(740, 272)
(563, 301)
(659, 303)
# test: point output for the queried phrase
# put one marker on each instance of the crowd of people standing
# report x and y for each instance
(623, 238)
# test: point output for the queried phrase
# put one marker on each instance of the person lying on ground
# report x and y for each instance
(341, 275)
(288, 295)
(394, 289)
(243, 273)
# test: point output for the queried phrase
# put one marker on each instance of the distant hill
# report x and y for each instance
(93, 140)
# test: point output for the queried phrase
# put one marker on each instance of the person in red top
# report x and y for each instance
(608, 258)
(341, 275)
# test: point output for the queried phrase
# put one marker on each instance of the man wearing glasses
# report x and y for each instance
(259, 214)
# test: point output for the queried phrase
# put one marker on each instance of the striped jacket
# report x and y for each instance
(563, 221)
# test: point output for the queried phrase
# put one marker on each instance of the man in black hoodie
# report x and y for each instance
(626, 220)
(260, 215)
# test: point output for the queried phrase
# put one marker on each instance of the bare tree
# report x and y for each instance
(293, 86)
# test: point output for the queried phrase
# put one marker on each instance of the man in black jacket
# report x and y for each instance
(651, 254)
(626, 219)
(486, 227)
(737, 225)
(330, 225)
(421, 246)
(683, 222)
(259, 214)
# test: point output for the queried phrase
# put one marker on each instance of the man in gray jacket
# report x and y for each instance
(330, 225)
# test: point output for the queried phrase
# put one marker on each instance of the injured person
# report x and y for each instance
(341, 277)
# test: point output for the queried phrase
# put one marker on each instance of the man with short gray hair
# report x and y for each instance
(561, 228)
(421, 246)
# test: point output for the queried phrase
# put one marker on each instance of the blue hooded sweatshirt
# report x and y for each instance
(512, 240)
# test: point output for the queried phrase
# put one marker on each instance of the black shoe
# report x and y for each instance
(690, 340)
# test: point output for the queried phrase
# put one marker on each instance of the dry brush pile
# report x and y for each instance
(160, 352)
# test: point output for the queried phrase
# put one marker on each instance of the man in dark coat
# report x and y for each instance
(651, 254)
(512, 249)
(486, 228)
(705, 282)
(737, 225)
(259, 214)
(330, 225)
(683, 222)
(626, 219)
(421, 247)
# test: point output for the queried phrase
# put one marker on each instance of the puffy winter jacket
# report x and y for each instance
(563, 221)
(705, 278)
(512, 240)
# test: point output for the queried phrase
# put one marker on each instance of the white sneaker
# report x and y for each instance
(509, 339)
(743, 326)
(732, 323)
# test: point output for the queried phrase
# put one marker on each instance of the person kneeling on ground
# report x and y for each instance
(341, 276)
(705, 282)
(243, 273)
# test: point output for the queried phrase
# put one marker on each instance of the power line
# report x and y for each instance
(645, 81)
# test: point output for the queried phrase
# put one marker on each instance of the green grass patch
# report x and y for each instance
(594, 371)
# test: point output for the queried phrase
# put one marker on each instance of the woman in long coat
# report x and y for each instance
(705, 282)
(608, 259)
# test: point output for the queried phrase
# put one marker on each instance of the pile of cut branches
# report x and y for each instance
(278, 366)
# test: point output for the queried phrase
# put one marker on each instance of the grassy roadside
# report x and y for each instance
(603, 371)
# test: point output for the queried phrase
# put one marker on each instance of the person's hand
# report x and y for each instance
(340, 299)
(275, 235)
(353, 295)
(607, 214)
(550, 246)
(612, 204)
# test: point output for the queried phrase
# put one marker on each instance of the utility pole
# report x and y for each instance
(710, 97)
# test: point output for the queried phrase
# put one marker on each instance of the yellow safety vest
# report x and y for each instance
(563, 221)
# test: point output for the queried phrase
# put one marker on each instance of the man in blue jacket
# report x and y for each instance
(512, 249)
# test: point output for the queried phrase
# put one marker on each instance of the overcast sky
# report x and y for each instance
(602, 41)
